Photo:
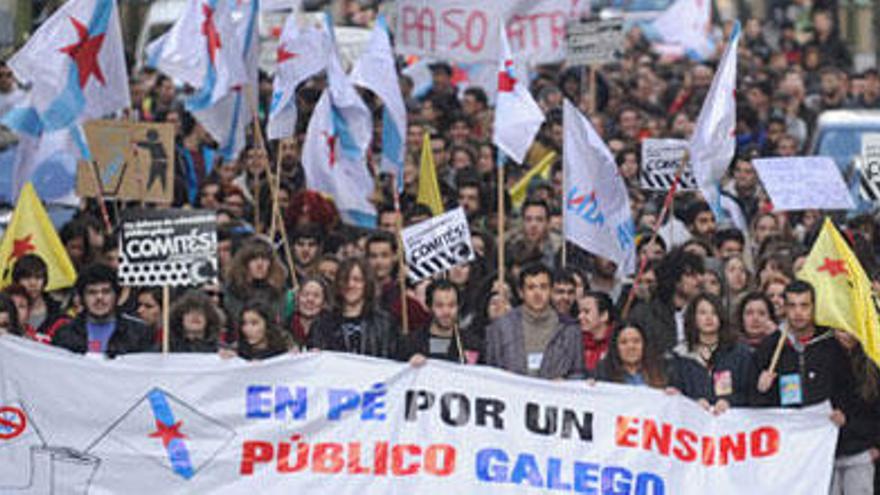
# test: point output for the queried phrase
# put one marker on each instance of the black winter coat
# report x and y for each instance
(130, 336)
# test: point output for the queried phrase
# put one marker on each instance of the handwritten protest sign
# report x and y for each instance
(803, 183)
(352, 425)
(168, 247)
(593, 41)
(437, 244)
(661, 159)
(467, 31)
(134, 161)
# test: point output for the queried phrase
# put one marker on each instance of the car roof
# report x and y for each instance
(846, 118)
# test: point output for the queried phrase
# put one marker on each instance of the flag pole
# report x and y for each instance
(273, 188)
(401, 263)
(166, 301)
(500, 218)
(667, 207)
(777, 353)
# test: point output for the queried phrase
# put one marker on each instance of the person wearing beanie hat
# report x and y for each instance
(100, 328)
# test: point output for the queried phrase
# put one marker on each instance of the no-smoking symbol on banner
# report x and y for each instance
(12, 422)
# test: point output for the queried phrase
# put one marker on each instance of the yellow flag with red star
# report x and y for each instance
(843, 290)
(31, 232)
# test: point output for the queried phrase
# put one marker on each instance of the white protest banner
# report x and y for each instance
(869, 167)
(467, 31)
(660, 161)
(168, 247)
(593, 41)
(437, 244)
(803, 183)
(352, 425)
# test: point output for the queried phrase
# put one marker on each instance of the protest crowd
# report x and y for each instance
(711, 304)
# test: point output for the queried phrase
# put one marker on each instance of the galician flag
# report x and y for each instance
(376, 70)
(203, 50)
(517, 117)
(596, 214)
(714, 141)
(75, 64)
(301, 54)
(334, 154)
(844, 299)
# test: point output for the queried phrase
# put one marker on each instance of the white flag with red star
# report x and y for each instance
(301, 54)
(517, 117)
(75, 64)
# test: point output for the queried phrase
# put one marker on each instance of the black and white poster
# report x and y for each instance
(168, 248)
(438, 244)
(869, 167)
(660, 161)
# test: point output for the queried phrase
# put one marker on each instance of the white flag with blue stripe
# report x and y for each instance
(376, 70)
(713, 143)
(334, 155)
(596, 214)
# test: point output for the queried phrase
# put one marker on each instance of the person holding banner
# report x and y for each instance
(532, 339)
(597, 317)
(632, 359)
(194, 324)
(100, 328)
(312, 302)
(442, 338)
(260, 337)
(356, 324)
(711, 367)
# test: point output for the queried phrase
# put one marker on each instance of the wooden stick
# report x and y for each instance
(500, 219)
(593, 108)
(251, 96)
(401, 262)
(275, 211)
(667, 206)
(777, 353)
(277, 217)
(99, 191)
(166, 302)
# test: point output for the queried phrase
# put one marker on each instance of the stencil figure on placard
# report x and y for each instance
(158, 159)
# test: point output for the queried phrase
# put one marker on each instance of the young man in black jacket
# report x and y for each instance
(813, 366)
(100, 328)
(441, 338)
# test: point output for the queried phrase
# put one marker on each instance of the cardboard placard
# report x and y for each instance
(134, 160)
(869, 167)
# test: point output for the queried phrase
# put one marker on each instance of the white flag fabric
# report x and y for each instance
(597, 214)
(49, 161)
(714, 141)
(204, 49)
(517, 116)
(75, 64)
(376, 70)
(302, 53)
(335, 150)
(227, 119)
(685, 26)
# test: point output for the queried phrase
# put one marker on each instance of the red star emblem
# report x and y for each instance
(85, 54)
(330, 140)
(833, 267)
(459, 76)
(167, 433)
(21, 247)
(209, 29)
(284, 55)
(506, 82)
